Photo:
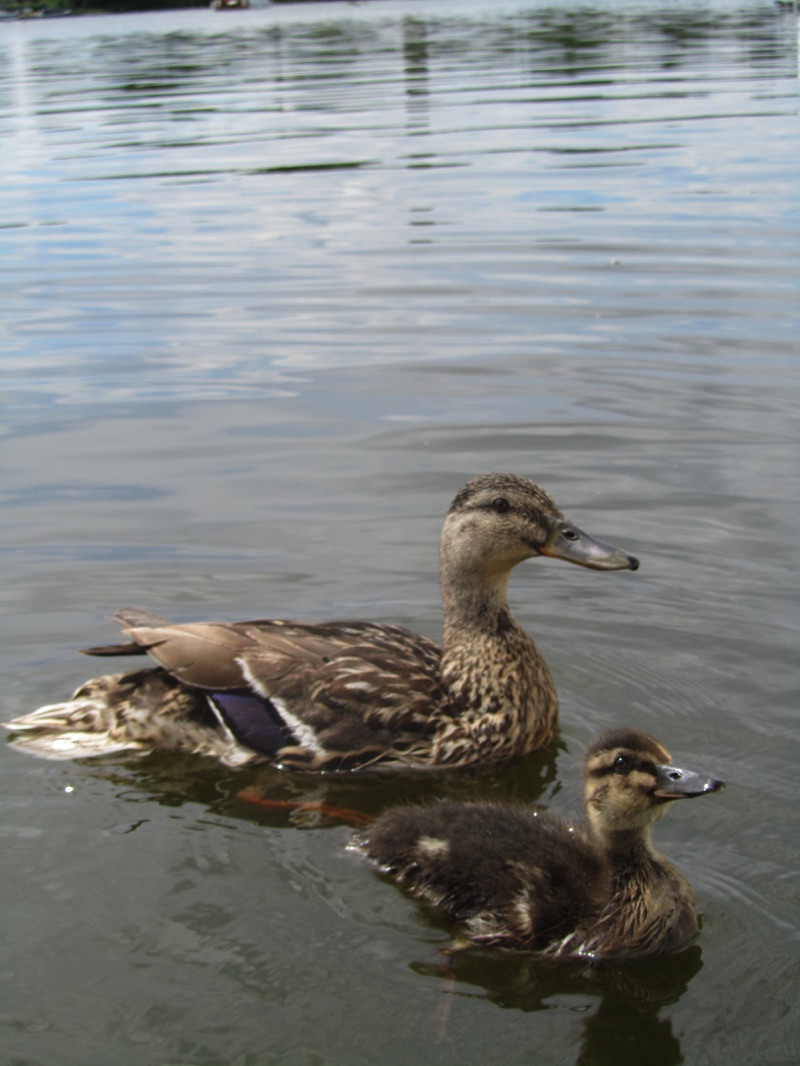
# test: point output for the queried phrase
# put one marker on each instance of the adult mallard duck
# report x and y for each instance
(346, 695)
(523, 878)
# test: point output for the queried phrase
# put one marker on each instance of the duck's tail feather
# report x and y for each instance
(115, 649)
(138, 616)
(72, 730)
(141, 711)
(128, 618)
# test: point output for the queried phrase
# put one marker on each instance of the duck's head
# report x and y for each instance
(630, 779)
(498, 520)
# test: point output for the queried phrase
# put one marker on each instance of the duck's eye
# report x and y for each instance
(570, 534)
(500, 505)
(622, 764)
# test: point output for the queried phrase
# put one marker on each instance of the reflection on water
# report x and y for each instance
(276, 282)
(261, 166)
(164, 779)
(630, 994)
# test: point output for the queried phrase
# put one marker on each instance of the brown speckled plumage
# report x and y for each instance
(514, 876)
(347, 695)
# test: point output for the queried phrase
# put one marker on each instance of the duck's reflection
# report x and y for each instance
(281, 799)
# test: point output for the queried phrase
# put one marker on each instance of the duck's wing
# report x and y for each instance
(332, 695)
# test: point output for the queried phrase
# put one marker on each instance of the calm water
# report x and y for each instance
(274, 284)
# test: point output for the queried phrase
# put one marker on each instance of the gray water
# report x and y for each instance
(274, 284)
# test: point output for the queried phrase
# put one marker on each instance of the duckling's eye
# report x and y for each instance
(622, 764)
(500, 505)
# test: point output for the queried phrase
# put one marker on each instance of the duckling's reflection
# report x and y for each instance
(625, 1026)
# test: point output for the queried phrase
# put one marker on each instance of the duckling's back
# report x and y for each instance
(506, 873)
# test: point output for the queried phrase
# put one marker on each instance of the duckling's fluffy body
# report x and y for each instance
(524, 878)
(346, 695)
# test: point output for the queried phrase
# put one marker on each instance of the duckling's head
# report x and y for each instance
(630, 779)
(497, 520)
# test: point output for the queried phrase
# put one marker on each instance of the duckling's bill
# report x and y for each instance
(568, 542)
(673, 783)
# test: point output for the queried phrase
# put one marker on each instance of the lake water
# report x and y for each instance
(274, 284)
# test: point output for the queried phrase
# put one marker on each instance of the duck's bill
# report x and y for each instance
(572, 544)
(673, 783)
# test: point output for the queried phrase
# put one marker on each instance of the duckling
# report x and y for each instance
(346, 695)
(524, 878)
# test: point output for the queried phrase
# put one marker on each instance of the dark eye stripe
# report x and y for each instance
(607, 768)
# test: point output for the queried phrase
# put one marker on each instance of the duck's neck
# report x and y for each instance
(501, 697)
(628, 850)
(475, 607)
(651, 906)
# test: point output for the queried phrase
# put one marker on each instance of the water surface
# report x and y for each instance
(275, 283)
